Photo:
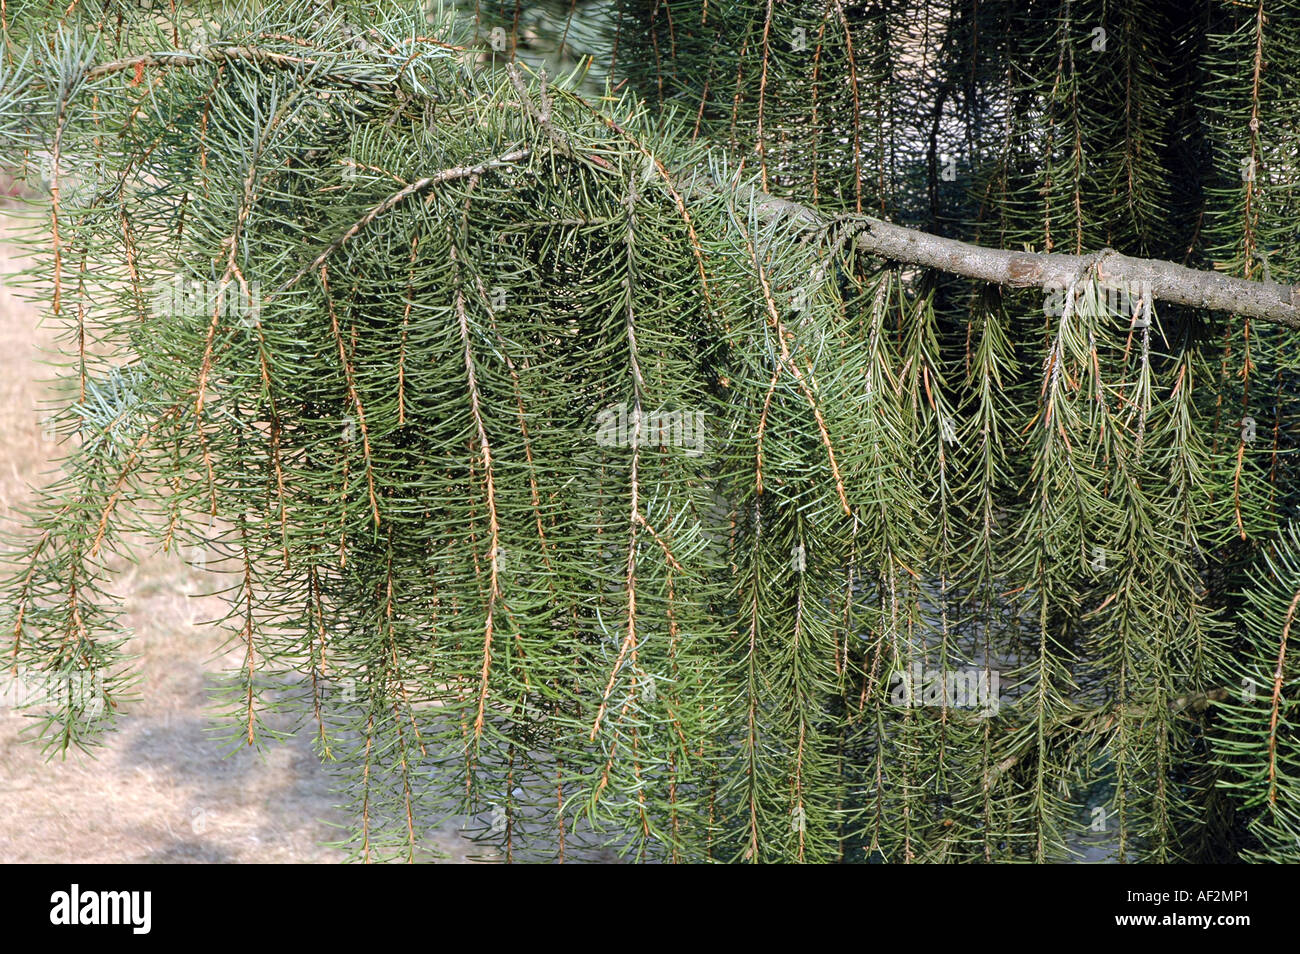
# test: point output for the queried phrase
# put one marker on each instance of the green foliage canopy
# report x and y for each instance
(557, 487)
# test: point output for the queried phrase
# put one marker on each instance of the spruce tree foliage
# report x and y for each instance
(556, 482)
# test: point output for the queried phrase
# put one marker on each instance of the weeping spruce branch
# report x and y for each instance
(877, 571)
(1165, 281)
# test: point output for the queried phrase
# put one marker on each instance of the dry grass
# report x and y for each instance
(162, 788)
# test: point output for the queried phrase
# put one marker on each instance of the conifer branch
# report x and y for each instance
(418, 187)
(485, 453)
(1166, 281)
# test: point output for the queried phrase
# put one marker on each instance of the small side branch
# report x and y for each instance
(417, 187)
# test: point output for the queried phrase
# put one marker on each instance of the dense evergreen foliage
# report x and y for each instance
(557, 479)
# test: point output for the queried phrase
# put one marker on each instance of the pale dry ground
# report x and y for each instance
(161, 789)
